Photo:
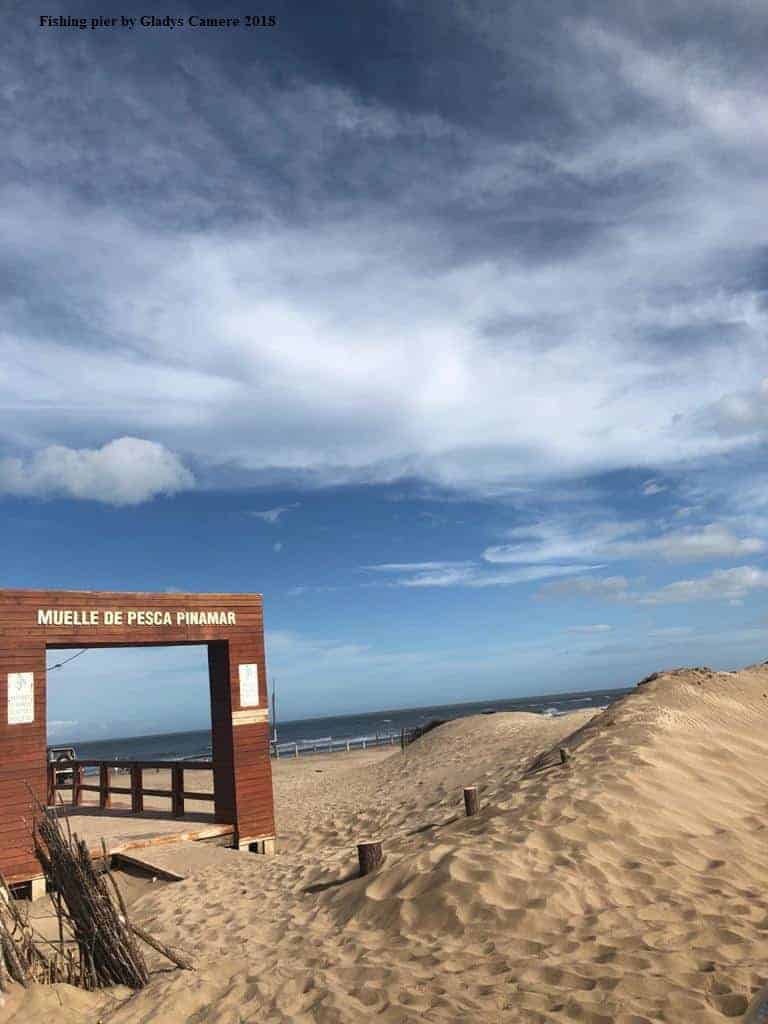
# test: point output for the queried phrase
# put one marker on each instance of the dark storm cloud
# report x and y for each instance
(191, 128)
(206, 126)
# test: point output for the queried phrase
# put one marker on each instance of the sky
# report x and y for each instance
(443, 326)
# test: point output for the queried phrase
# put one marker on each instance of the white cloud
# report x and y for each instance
(713, 104)
(695, 544)
(743, 412)
(652, 487)
(404, 403)
(613, 541)
(411, 567)
(599, 627)
(559, 541)
(362, 340)
(468, 574)
(272, 515)
(730, 585)
(126, 471)
(614, 587)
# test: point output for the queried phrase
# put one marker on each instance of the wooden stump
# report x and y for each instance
(370, 856)
(470, 800)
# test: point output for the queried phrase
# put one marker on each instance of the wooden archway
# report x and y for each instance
(232, 627)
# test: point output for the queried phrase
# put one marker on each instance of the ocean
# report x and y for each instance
(308, 732)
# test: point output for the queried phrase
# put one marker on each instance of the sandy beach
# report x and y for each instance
(627, 886)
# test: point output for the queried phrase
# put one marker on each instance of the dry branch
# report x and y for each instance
(175, 955)
(90, 920)
(109, 954)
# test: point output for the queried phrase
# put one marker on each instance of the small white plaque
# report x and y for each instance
(249, 685)
(21, 698)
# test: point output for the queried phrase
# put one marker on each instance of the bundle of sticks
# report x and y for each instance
(97, 942)
(108, 951)
(21, 949)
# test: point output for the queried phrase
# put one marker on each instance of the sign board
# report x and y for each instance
(249, 685)
(21, 698)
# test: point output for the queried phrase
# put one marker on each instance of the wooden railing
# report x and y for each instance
(407, 736)
(136, 790)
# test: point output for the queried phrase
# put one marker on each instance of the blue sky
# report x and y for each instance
(443, 328)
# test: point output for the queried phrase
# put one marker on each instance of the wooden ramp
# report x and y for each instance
(173, 862)
(122, 831)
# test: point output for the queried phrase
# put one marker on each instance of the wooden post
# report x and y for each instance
(177, 790)
(470, 800)
(564, 755)
(295, 749)
(137, 789)
(370, 855)
(77, 784)
(105, 778)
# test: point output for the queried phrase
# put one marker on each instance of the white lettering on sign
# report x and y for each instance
(206, 618)
(21, 698)
(133, 617)
(249, 685)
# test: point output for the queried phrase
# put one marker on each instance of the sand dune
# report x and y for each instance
(627, 886)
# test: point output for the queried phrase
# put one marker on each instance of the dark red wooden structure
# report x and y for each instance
(231, 625)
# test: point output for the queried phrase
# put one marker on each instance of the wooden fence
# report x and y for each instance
(407, 736)
(136, 790)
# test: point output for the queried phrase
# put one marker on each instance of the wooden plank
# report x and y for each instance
(105, 800)
(137, 796)
(77, 787)
(177, 791)
(134, 861)
(209, 832)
